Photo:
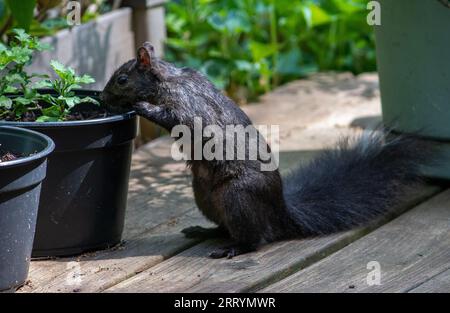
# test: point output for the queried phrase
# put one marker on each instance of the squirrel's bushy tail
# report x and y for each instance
(355, 183)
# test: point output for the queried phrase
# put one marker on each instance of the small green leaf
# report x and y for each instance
(11, 89)
(48, 99)
(89, 100)
(19, 109)
(85, 79)
(57, 67)
(21, 35)
(71, 101)
(47, 119)
(65, 73)
(15, 79)
(53, 111)
(20, 55)
(41, 46)
(22, 100)
(43, 84)
(5, 102)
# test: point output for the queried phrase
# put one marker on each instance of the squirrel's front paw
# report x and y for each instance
(143, 107)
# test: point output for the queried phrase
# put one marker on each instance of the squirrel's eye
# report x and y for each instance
(122, 79)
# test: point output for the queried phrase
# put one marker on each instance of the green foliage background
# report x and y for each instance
(248, 47)
(33, 15)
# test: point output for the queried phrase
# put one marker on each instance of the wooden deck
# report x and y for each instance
(411, 246)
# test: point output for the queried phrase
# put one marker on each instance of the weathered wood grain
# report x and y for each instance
(192, 271)
(152, 231)
(159, 190)
(410, 250)
(101, 270)
(437, 284)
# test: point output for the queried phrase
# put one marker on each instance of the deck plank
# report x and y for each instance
(102, 270)
(154, 235)
(438, 284)
(159, 193)
(192, 271)
(410, 250)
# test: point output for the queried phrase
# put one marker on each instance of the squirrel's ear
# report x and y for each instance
(145, 55)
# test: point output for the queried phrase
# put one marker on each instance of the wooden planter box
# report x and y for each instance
(96, 48)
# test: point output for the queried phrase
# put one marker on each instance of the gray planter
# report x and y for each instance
(413, 43)
(20, 188)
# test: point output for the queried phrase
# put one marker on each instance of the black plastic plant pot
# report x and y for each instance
(84, 197)
(20, 187)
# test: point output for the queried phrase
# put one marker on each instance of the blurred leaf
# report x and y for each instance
(288, 62)
(350, 6)
(22, 11)
(233, 22)
(55, 23)
(244, 65)
(40, 29)
(216, 71)
(261, 50)
(48, 4)
(3, 10)
(315, 16)
(237, 45)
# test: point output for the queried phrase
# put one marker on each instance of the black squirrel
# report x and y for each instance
(341, 188)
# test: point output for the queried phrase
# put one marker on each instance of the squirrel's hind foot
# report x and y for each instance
(231, 251)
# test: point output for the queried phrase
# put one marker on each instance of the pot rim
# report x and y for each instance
(31, 158)
(103, 120)
(93, 93)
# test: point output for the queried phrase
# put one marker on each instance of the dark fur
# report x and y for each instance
(342, 188)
